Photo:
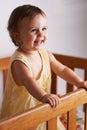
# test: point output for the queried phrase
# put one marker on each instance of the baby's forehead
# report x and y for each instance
(35, 17)
(37, 20)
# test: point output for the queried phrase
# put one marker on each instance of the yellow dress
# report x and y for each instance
(16, 98)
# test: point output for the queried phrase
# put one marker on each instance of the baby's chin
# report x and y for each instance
(39, 47)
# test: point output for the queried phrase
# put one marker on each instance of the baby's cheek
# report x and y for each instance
(46, 38)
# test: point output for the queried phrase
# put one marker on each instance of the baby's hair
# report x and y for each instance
(18, 14)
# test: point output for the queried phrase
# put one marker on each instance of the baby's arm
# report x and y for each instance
(66, 73)
(73, 78)
(22, 76)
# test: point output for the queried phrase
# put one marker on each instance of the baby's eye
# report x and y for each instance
(34, 30)
(44, 29)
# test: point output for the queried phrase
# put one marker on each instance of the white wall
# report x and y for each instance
(67, 22)
(67, 26)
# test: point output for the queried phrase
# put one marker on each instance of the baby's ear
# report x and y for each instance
(16, 37)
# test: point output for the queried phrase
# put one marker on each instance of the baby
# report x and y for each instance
(29, 77)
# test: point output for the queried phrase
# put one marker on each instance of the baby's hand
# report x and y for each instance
(83, 84)
(52, 99)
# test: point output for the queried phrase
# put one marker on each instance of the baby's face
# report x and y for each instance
(33, 33)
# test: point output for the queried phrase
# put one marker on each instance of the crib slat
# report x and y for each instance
(52, 124)
(85, 122)
(4, 64)
(54, 83)
(71, 120)
(85, 106)
(71, 115)
(4, 77)
(69, 88)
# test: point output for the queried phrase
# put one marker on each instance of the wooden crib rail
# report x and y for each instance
(43, 113)
(72, 61)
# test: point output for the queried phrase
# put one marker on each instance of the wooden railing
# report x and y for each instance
(28, 120)
(42, 113)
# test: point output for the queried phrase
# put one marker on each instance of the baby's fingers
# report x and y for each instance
(54, 101)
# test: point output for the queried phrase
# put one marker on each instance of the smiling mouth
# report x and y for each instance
(39, 42)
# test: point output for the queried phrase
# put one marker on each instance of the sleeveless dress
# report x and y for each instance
(16, 98)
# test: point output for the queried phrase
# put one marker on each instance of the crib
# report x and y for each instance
(28, 120)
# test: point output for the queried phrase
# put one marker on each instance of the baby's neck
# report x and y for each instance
(33, 52)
